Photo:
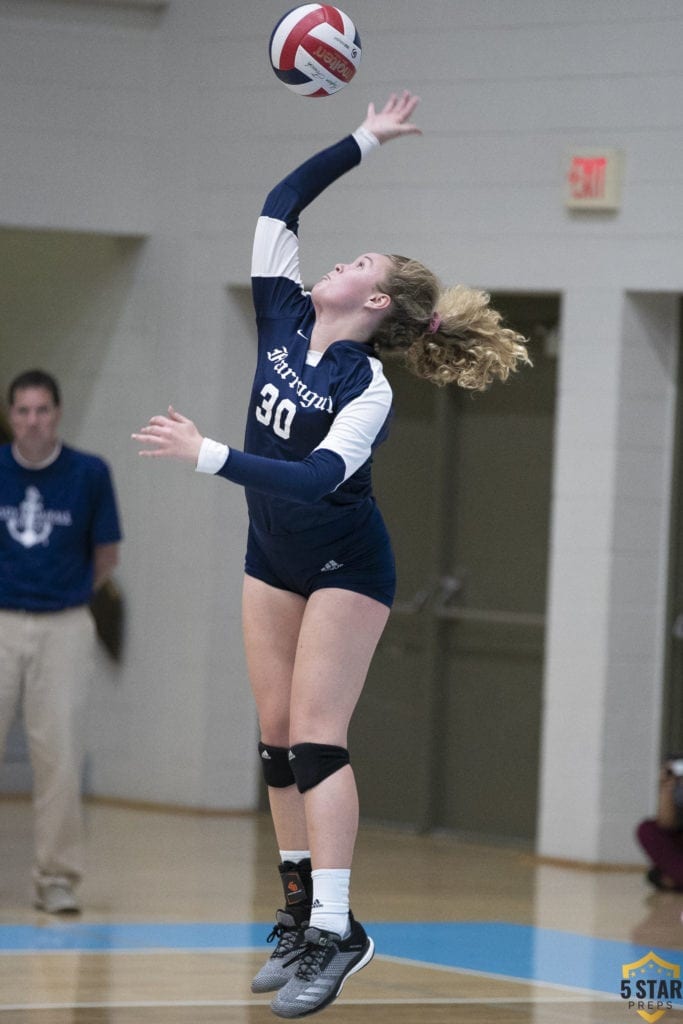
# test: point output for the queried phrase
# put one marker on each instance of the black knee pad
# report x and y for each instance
(276, 768)
(311, 763)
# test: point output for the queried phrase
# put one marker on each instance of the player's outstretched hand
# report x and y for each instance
(393, 120)
(172, 436)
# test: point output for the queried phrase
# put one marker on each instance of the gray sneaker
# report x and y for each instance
(56, 898)
(321, 968)
(281, 964)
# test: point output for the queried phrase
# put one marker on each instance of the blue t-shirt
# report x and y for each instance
(51, 520)
(314, 418)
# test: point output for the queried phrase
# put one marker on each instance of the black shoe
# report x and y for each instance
(656, 878)
(321, 968)
(289, 929)
(282, 962)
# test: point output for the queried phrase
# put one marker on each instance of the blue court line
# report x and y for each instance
(521, 952)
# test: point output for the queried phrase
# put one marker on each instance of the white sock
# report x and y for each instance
(294, 855)
(331, 900)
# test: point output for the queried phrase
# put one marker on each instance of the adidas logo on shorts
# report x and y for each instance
(331, 566)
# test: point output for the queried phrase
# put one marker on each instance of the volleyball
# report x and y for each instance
(315, 50)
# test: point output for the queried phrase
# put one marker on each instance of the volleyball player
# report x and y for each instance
(319, 569)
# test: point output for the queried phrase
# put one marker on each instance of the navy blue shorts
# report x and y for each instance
(360, 559)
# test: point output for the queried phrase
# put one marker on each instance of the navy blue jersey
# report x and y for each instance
(51, 520)
(314, 418)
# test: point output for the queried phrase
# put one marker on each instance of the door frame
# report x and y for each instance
(672, 700)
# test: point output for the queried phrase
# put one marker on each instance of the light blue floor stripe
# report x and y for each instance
(517, 951)
(112, 938)
(508, 950)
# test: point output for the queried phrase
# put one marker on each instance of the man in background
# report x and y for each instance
(59, 537)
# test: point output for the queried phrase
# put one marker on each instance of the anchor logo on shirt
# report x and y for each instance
(29, 525)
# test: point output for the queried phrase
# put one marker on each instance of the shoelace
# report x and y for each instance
(311, 961)
(287, 937)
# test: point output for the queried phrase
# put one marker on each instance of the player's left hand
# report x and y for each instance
(393, 120)
(172, 436)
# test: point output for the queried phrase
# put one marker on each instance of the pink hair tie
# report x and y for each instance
(434, 323)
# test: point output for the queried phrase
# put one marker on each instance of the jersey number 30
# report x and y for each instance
(278, 414)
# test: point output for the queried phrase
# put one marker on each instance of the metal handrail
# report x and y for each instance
(445, 590)
(490, 617)
(416, 604)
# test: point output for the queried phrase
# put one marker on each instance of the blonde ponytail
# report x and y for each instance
(449, 337)
(469, 346)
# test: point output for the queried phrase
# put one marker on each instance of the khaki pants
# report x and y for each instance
(46, 660)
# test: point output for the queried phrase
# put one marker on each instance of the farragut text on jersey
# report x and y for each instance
(307, 398)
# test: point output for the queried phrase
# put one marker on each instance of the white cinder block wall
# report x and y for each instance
(162, 122)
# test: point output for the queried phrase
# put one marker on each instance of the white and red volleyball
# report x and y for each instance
(315, 50)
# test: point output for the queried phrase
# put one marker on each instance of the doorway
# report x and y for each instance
(62, 294)
(672, 726)
(447, 732)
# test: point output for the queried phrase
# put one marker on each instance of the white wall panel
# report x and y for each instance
(166, 122)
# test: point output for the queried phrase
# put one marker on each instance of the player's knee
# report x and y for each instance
(277, 770)
(312, 763)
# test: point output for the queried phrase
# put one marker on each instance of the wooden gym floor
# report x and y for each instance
(177, 908)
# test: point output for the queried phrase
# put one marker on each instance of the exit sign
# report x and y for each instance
(593, 179)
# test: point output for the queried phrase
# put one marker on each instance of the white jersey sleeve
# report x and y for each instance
(356, 427)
